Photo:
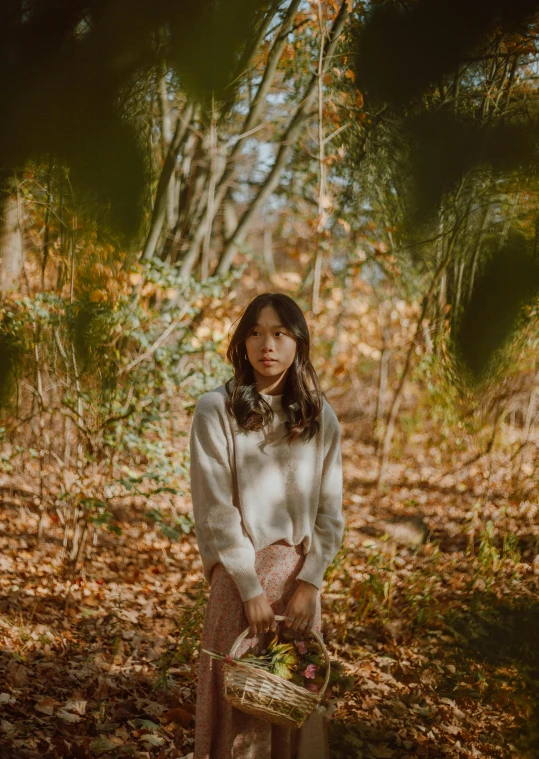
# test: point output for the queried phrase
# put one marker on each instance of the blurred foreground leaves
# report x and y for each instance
(509, 282)
(405, 48)
(443, 74)
(65, 71)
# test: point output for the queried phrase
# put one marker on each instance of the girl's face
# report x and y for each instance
(271, 349)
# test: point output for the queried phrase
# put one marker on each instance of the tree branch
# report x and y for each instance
(161, 196)
(287, 143)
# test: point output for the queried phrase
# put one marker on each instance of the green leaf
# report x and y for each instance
(281, 670)
(280, 648)
(147, 723)
(289, 659)
(170, 532)
(154, 514)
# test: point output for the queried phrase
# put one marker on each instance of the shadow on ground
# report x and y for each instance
(504, 634)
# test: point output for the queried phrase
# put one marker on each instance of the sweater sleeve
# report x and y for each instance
(329, 524)
(218, 525)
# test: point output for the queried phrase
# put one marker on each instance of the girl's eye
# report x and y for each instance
(279, 332)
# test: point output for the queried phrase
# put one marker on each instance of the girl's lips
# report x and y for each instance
(268, 360)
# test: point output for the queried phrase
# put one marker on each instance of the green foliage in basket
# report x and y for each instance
(298, 661)
(279, 658)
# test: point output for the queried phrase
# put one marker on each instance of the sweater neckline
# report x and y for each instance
(273, 400)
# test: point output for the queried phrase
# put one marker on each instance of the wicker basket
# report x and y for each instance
(267, 696)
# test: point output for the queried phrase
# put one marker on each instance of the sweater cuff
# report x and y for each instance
(247, 583)
(313, 570)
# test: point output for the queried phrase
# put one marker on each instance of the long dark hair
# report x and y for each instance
(302, 396)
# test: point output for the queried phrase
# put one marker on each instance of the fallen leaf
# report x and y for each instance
(17, 674)
(178, 715)
(79, 707)
(6, 727)
(381, 751)
(45, 705)
(67, 716)
(101, 745)
(153, 740)
(398, 707)
(121, 734)
(145, 724)
(7, 698)
(153, 708)
(451, 729)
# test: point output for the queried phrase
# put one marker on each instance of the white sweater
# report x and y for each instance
(250, 489)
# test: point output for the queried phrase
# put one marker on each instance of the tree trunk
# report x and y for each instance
(162, 194)
(382, 387)
(11, 240)
(227, 175)
(210, 202)
(287, 144)
(322, 214)
(166, 140)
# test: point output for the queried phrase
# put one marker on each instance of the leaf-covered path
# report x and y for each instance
(435, 617)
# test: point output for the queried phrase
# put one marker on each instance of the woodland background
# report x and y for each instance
(160, 167)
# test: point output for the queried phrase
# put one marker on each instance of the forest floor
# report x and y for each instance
(432, 606)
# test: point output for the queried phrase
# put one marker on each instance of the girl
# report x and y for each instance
(266, 483)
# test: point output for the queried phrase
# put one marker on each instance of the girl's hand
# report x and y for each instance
(259, 615)
(302, 608)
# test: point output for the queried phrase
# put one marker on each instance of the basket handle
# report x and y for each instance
(279, 618)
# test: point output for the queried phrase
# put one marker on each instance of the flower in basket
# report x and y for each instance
(296, 660)
(310, 671)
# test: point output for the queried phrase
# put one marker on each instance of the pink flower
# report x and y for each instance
(310, 671)
(302, 648)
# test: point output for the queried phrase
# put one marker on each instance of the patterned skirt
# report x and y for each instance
(222, 731)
